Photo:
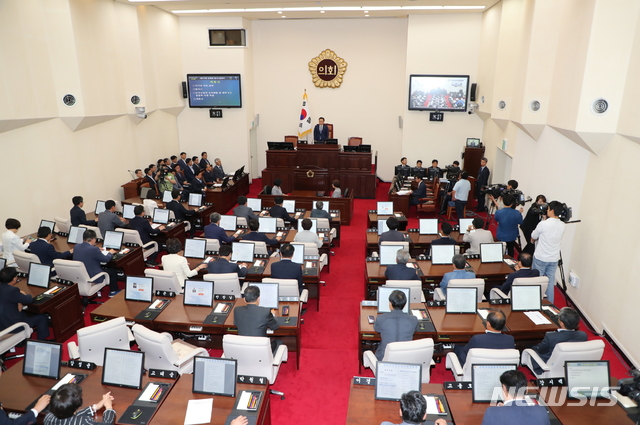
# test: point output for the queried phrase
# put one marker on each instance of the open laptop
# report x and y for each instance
(214, 376)
(442, 254)
(48, 223)
(42, 359)
(526, 298)
(491, 252)
(128, 211)
(394, 379)
(75, 234)
(383, 298)
(198, 293)
(462, 300)
(587, 379)
(138, 289)
(269, 294)
(123, 368)
(385, 208)
(428, 226)
(195, 248)
(485, 381)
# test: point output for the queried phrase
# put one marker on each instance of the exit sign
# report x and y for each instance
(436, 116)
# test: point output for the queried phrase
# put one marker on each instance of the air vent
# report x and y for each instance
(135, 99)
(599, 106)
(534, 106)
(502, 104)
(69, 99)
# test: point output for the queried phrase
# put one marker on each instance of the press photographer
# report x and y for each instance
(531, 220)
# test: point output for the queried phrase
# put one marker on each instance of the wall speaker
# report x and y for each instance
(472, 93)
(184, 89)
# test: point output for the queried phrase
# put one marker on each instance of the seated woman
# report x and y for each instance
(277, 189)
(177, 263)
(68, 398)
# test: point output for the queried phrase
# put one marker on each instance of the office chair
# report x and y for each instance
(212, 244)
(417, 296)
(224, 283)
(419, 351)
(439, 295)
(400, 245)
(543, 281)
(149, 206)
(563, 352)
(23, 259)
(259, 247)
(330, 127)
(289, 288)
(242, 221)
(164, 281)
(311, 249)
(355, 141)
(132, 236)
(62, 224)
(92, 340)
(95, 229)
(187, 224)
(165, 353)
(323, 223)
(480, 356)
(8, 340)
(75, 271)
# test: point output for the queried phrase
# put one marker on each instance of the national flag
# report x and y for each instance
(304, 127)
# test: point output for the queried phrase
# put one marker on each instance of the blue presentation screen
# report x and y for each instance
(214, 91)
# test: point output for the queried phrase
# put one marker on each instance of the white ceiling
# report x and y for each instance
(365, 7)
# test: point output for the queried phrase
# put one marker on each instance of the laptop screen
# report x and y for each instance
(39, 275)
(383, 298)
(587, 379)
(195, 248)
(195, 199)
(167, 196)
(3, 262)
(491, 252)
(526, 297)
(395, 379)
(268, 294)
(325, 206)
(128, 211)
(289, 205)
(388, 254)
(75, 234)
(385, 208)
(214, 376)
(314, 225)
(138, 289)
(428, 226)
(161, 216)
(462, 300)
(242, 252)
(267, 224)
(42, 359)
(100, 207)
(442, 254)
(255, 204)
(198, 293)
(382, 226)
(228, 222)
(298, 253)
(48, 223)
(123, 368)
(485, 379)
(112, 240)
(464, 225)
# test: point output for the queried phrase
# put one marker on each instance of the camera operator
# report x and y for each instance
(499, 203)
(508, 219)
(548, 234)
(531, 220)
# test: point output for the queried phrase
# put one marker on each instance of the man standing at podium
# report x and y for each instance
(320, 131)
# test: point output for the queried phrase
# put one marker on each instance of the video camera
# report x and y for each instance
(452, 171)
(498, 190)
(565, 214)
(630, 387)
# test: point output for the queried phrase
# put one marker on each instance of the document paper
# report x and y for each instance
(537, 318)
(199, 411)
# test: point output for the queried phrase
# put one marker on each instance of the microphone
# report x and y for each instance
(133, 176)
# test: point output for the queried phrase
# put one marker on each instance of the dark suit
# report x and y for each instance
(516, 413)
(394, 326)
(26, 419)
(320, 135)
(253, 320)
(419, 193)
(213, 231)
(244, 211)
(280, 212)
(203, 163)
(259, 237)
(392, 236)
(182, 164)
(197, 186)
(444, 240)
(400, 272)
(144, 228)
(91, 256)
(179, 210)
(46, 252)
(491, 340)
(545, 348)
(287, 269)
(209, 177)
(483, 180)
(506, 286)
(188, 174)
(218, 172)
(78, 217)
(316, 213)
(153, 184)
(222, 265)
(181, 178)
(196, 168)
(10, 297)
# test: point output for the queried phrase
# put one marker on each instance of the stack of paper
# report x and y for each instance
(199, 411)
(537, 318)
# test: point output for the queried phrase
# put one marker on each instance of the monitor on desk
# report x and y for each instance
(331, 141)
(195, 199)
(382, 226)
(383, 298)
(48, 223)
(167, 196)
(325, 206)
(42, 359)
(242, 252)
(388, 254)
(298, 252)
(394, 379)
(526, 298)
(113, 240)
(269, 294)
(268, 224)
(39, 275)
(198, 293)
(75, 234)
(161, 216)
(229, 222)
(214, 376)
(195, 248)
(128, 211)
(428, 226)
(123, 368)
(314, 225)
(100, 207)
(587, 379)
(255, 204)
(462, 300)
(3, 263)
(385, 208)
(364, 148)
(442, 254)
(289, 205)
(138, 289)
(473, 142)
(491, 252)
(464, 224)
(485, 381)
(239, 172)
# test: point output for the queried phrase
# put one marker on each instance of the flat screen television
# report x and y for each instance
(214, 90)
(447, 93)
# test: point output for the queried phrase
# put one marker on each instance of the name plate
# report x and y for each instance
(462, 385)
(436, 303)
(500, 301)
(168, 294)
(369, 303)
(160, 373)
(290, 299)
(362, 380)
(224, 297)
(79, 364)
(550, 382)
(247, 379)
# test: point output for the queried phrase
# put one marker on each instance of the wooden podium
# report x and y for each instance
(472, 157)
(311, 178)
(132, 188)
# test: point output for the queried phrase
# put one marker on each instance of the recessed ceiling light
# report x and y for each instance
(283, 16)
(366, 11)
(322, 11)
(366, 16)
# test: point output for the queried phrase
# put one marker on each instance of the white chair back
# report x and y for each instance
(310, 248)
(224, 283)
(404, 245)
(488, 356)
(92, 340)
(212, 244)
(468, 283)
(419, 351)
(149, 206)
(130, 236)
(417, 296)
(286, 287)
(242, 221)
(253, 354)
(75, 271)
(572, 351)
(63, 224)
(543, 281)
(94, 228)
(23, 259)
(158, 353)
(260, 247)
(163, 280)
(323, 223)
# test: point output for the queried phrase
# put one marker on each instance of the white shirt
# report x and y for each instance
(179, 265)
(10, 243)
(308, 236)
(475, 238)
(549, 234)
(462, 188)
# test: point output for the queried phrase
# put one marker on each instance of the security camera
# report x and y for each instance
(142, 116)
(140, 111)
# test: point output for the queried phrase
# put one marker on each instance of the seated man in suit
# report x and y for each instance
(318, 212)
(204, 161)
(179, 211)
(145, 230)
(392, 235)
(476, 235)
(78, 216)
(279, 211)
(214, 231)
(44, 250)
(306, 235)
(418, 169)
(195, 166)
(187, 169)
(515, 409)
(209, 176)
(29, 417)
(413, 410)
(396, 325)
(320, 131)
(10, 310)
(400, 271)
(568, 319)
(492, 338)
(108, 220)
(434, 171)
(242, 210)
(92, 257)
(218, 171)
(256, 236)
(445, 235)
(150, 177)
(403, 169)
(197, 184)
(180, 177)
(420, 192)
(224, 265)
(459, 262)
(253, 320)
(285, 268)
(523, 269)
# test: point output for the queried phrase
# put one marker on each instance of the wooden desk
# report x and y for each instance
(310, 278)
(400, 202)
(224, 200)
(201, 213)
(174, 407)
(418, 244)
(570, 413)
(117, 306)
(132, 188)
(334, 223)
(307, 199)
(372, 219)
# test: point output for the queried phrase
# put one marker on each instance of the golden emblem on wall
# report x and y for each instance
(327, 69)
(310, 173)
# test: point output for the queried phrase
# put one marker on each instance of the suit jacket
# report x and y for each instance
(188, 173)
(196, 168)
(394, 326)
(483, 178)
(280, 212)
(218, 172)
(551, 339)
(316, 213)
(259, 237)
(180, 177)
(392, 236)
(506, 286)
(46, 252)
(153, 184)
(513, 413)
(244, 211)
(182, 164)
(400, 272)
(108, 221)
(10, 297)
(78, 217)
(221, 265)
(91, 256)
(253, 320)
(421, 192)
(209, 177)
(287, 269)
(197, 186)
(213, 231)
(204, 162)
(26, 419)
(144, 229)
(179, 210)
(444, 240)
(487, 340)
(320, 135)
